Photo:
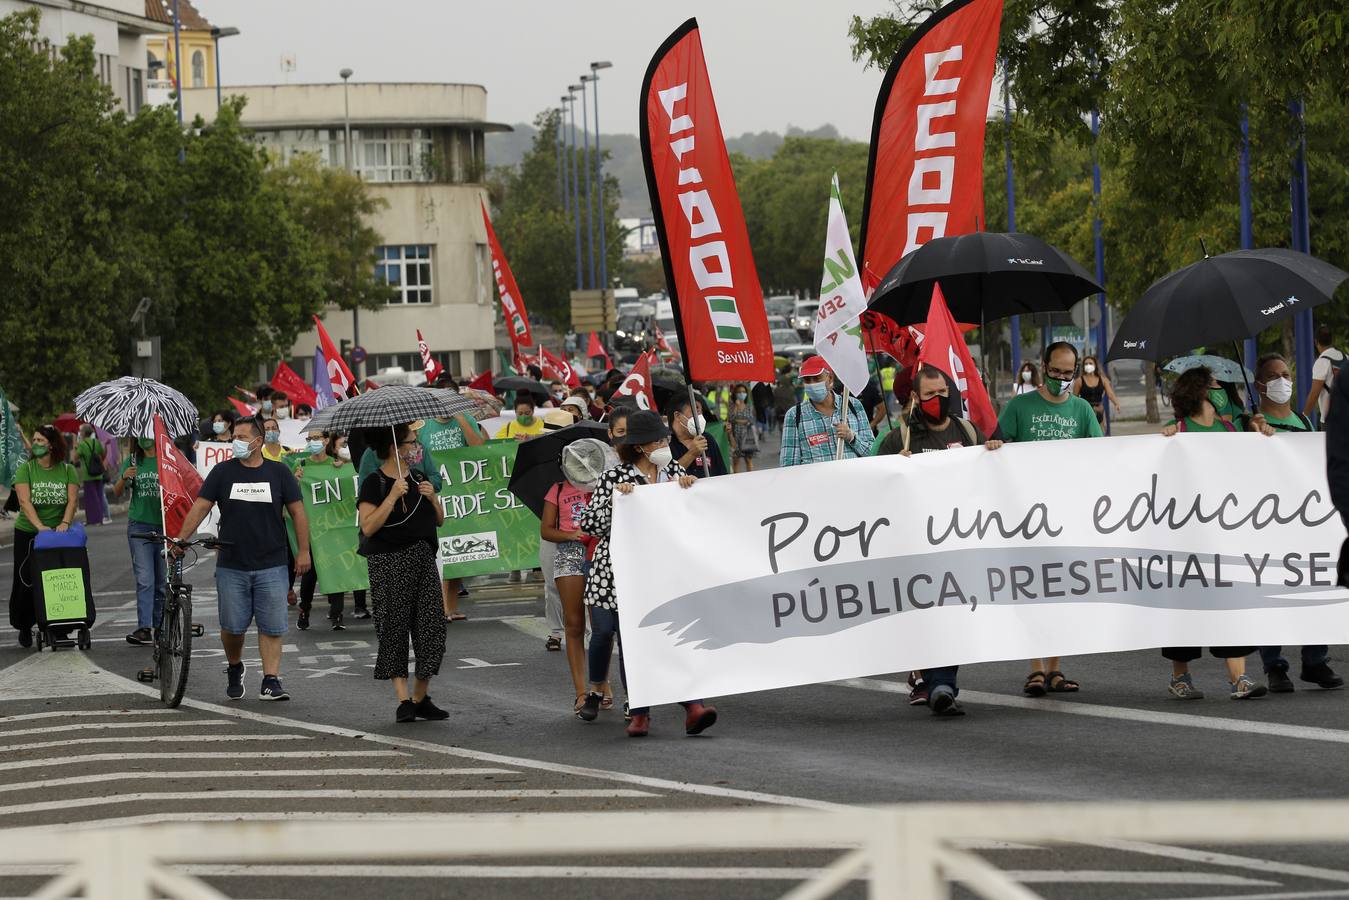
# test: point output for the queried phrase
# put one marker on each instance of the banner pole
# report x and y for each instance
(693, 419)
(843, 411)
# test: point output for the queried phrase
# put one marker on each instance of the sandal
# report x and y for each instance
(607, 698)
(552, 643)
(1060, 685)
(1035, 685)
(456, 617)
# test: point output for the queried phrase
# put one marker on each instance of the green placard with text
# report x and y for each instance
(329, 495)
(486, 528)
(64, 595)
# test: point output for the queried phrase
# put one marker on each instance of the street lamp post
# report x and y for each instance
(575, 193)
(346, 153)
(178, 66)
(599, 172)
(561, 169)
(216, 35)
(585, 160)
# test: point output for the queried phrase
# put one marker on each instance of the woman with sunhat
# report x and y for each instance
(645, 457)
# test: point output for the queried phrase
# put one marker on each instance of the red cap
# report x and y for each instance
(815, 365)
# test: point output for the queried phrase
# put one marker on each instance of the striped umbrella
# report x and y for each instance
(394, 404)
(126, 407)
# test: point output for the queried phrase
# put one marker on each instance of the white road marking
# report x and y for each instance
(1131, 876)
(87, 758)
(164, 774)
(1124, 713)
(142, 739)
(334, 794)
(111, 726)
(67, 713)
(1213, 858)
(1292, 895)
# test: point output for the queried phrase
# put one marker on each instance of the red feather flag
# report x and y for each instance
(638, 383)
(943, 348)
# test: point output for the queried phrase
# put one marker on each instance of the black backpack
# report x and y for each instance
(95, 466)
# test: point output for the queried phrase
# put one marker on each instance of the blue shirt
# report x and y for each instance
(809, 437)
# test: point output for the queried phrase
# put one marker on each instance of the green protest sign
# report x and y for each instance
(486, 528)
(329, 495)
(63, 593)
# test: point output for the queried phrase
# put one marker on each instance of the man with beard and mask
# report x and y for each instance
(929, 428)
(1050, 413)
(1274, 385)
(812, 428)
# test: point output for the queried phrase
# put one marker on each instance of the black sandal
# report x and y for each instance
(1035, 685)
(1060, 685)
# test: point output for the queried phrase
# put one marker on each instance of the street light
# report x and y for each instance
(178, 67)
(216, 35)
(561, 141)
(346, 152)
(575, 182)
(599, 171)
(585, 159)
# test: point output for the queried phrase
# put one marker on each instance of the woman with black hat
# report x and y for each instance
(646, 459)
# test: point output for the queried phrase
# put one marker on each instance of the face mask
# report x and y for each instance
(412, 457)
(1218, 397)
(266, 406)
(40, 450)
(695, 424)
(218, 427)
(314, 447)
(147, 443)
(661, 457)
(934, 408)
(816, 392)
(1027, 376)
(740, 395)
(283, 412)
(344, 453)
(272, 437)
(1089, 368)
(1280, 390)
(242, 448)
(559, 395)
(1058, 387)
(525, 419)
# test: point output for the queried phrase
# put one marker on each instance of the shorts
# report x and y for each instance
(246, 596)
(570, 559)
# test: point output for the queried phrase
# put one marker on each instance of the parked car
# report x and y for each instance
(777, 323)
(796, 352)
(803, 317)
(780, 305)
(783, 337)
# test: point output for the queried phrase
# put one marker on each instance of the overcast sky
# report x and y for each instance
(773, 63)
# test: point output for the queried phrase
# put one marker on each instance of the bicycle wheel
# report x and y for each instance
(175, 648)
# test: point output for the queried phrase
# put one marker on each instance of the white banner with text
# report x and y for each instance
(863, 567)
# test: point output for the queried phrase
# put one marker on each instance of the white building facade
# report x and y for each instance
(420, 149)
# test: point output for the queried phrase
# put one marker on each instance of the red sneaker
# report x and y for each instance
(640, 725)
(698, 718)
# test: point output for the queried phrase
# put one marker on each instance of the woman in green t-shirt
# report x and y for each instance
(140, 477)
(47, 486)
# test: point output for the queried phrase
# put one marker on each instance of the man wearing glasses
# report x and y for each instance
(1050, 413)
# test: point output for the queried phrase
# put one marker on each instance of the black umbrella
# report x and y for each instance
(538, 462)
(983, 276)
(1223, 298)
(520, 383)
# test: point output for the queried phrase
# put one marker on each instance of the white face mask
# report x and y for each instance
(1026, 376)
(1279, 390)
(696, 424)
(1089, 368)
(242, 448)
(661, 457)
(283, 412)
(344, 453)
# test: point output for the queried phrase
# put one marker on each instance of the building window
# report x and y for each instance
(135, 90)
(482, 361)
(198, 69)
(391, 154)
(407, 269)
(105, 68)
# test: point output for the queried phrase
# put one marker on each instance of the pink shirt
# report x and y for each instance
(570, 503)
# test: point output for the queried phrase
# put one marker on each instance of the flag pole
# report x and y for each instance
(843, 411)
(880, 382)
(693, 420)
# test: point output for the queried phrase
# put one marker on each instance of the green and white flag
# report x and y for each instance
(12, 450)
(838, 334)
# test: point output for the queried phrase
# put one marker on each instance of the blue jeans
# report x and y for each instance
(246, 596)
(942, 675)
(604, 631)
(1312, 655)
(147, 564)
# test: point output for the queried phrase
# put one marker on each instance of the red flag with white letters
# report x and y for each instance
(709, 268)
(343, 382)
(179, 482)
(944, 348)
(512, 304)
(430, 366)
(925, 177)
(555, 368)
(638, 383)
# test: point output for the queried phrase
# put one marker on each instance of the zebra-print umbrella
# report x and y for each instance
(126, 407)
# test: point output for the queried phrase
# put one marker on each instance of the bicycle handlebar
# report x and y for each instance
(210, 543)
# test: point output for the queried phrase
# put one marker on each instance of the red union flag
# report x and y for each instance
(430, 366)
(556, 368)
(925, 178)
(179, 482)
(293, 386)
(339, 376)
(638, 383)
(944, 348)
(512, 304)
(709, 269)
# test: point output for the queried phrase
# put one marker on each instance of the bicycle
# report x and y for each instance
(173, 636)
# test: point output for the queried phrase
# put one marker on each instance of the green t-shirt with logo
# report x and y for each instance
(1192, 426)
(144, 492)
(441, 436)
(1030, 417)
(47, 490)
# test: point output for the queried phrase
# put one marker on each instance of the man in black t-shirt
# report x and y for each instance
(932, 428)
(251, 575)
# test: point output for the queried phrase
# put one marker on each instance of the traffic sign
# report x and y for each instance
(358, 354)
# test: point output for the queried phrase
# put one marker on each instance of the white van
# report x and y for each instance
(803, 317)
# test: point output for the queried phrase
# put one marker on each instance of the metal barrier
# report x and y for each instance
(905, 851)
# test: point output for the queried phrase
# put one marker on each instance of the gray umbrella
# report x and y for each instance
(126, 407)
(395, 404)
